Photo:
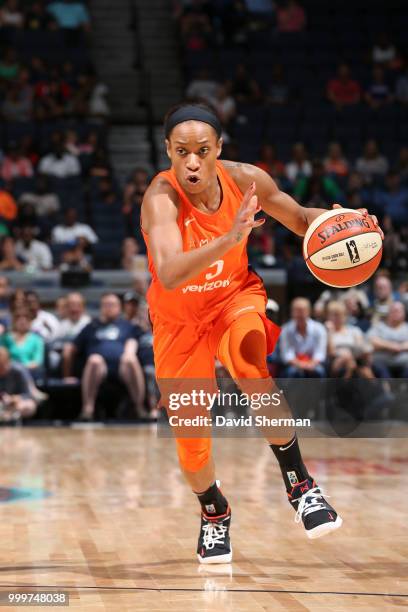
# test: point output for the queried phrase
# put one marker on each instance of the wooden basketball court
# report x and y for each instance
(104, 514)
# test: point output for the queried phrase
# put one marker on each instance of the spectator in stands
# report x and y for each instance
(61, 307)
(15, 398)
(44, 323)
(5, 298)
(384, 52)
(139, 181)
(14, 165)
(372, 164)
(130, 254)
(76, 317)
(72, 320)
(195, 26)
(278, 89)
(402, 165)
(11, 15)
(131, 303)
(335, 163)
(203, 86)
(269, 162)
(395, 250)
(356, 304)
(59, 163)
(17, 300)
(318, 189)
(75, 259)
(299, 164)
(225, 105)
(383, 297)
(100, 165)
(378, 93)
(16, 107)
(35, 254)
(107, 195)
(29, 149)
(133, 311)
(131, 212)
(26, 216)
(343, 90)
(8, 211)
(401, 90)
(109, 346)
(37, 69)
(347, 347)
(389, 339)
(236, 23)
(71, 142)
(9, 67)
(9, 261)
(261, 247)
(70, 14)
(37, 18)
(242, 87)
(291, 17)
(393, 201)
(303, 343)
(98, 106)
(45, 202)
(23, 345)
(52, 98)
(71, 231)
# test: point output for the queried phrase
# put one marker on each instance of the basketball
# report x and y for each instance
(342, 248)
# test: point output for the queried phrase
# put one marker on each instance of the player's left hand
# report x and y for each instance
(364, 212)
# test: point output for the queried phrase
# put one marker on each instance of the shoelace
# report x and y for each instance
(214, 533)
(309, 502)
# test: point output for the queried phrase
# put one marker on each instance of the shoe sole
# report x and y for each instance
(218, 559)
(325, 529)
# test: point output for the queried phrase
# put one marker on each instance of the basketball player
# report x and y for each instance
(196, 219)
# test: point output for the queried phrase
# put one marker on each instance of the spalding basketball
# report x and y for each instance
(342, 248)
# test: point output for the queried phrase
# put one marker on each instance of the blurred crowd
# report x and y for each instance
(64, 345)
(357, 338)
(60, 203)
(347, 135)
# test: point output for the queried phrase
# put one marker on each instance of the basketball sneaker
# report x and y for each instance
(319, 518)
(214, 545)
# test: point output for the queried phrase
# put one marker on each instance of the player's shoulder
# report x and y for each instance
(243, 174)
(160, 202)
(160, 186)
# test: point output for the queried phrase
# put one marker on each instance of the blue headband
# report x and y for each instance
(192, 113)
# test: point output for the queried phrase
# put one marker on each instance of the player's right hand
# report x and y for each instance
(245, 218)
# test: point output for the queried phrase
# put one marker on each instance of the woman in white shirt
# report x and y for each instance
(347, 347)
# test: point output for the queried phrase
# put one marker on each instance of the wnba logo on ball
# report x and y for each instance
(353, 251)
(340, 218)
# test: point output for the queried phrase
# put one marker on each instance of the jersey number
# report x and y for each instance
(219, 264)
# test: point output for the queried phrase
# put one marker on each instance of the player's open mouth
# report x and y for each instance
(193, 180)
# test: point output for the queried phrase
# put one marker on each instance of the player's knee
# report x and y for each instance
(194, 457)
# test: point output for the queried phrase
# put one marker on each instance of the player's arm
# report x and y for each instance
(276, 203)
(174, 266)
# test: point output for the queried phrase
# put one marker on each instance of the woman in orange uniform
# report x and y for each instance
(205, 303)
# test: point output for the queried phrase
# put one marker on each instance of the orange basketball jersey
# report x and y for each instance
(202, 298)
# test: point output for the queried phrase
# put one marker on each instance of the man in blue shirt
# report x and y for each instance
(303, 343)
(109, 346)
(69, 14)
